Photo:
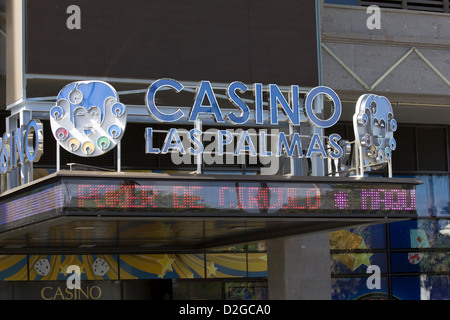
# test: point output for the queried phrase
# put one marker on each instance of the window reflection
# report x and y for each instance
(364, 237)
(419, 264)
(416, 261)
(423, 287)
(432, 197)
(422, 233)
(357, 289)
(357, 263)
(246, 290)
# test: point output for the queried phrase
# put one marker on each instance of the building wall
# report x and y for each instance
(358, 60)
(413, 256)
(405, 60)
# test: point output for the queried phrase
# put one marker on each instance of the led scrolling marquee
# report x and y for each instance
(73, 195)
(232, 197)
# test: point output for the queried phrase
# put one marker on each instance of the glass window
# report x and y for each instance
(423, 287)
(406, 288)
(197, 290)
(346, 2)
(249, 247)
(432, 197)
(422, 233)
(358, 289)
(248, 290)
(420, 262)
(431, 141)
(366, 237)
(437, 287)
(357, 263)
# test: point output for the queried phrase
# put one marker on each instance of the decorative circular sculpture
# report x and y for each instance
(374, 127)
(88, 120)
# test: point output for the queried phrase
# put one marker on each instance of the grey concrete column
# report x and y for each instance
(14, 51)
(299, 267)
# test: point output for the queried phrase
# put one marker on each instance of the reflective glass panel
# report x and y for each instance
(197, 290)
(246, 290)
(432, 197)
(358, 289)
(422, 233)
(420, 262)
(439, 192)
(406, 288)
(365, 237)
(348, 263)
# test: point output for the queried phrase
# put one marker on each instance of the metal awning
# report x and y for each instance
(92, 211)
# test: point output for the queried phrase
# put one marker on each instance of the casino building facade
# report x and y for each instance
(224, 150)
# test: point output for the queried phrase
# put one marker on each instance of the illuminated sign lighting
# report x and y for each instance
(21, 146)
(205, 103)
(241, 197)
(211, 197)
(88, 119)
(276, 101)
(36, 202)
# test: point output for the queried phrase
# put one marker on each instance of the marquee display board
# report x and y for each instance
(246, 198)
(71, 209)
(212, 197)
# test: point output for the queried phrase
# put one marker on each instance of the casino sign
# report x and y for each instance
(123, 210)
(88, 120)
